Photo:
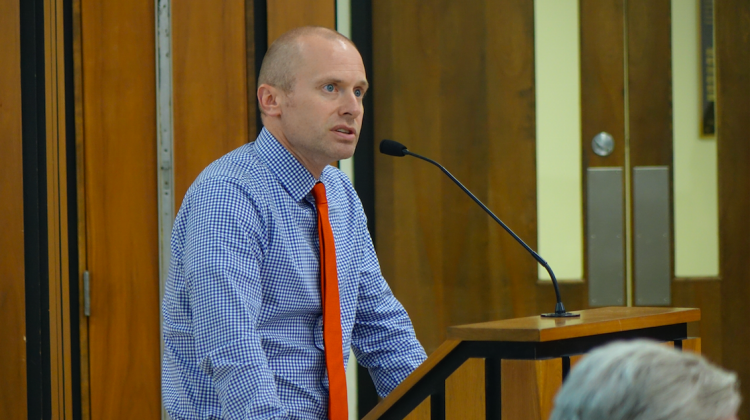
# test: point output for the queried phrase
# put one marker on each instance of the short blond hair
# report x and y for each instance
(283, 57)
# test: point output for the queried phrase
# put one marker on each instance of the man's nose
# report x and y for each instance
(351, 105)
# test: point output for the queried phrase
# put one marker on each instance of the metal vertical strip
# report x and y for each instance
(652, 242)
(606, 264)
(164, 124)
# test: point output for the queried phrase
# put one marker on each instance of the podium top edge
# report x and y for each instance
(592, 322)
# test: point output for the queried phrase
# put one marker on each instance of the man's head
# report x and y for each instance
(310, 92)
(642, 380)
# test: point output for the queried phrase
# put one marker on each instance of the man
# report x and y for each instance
(246, 334)
(643, 380)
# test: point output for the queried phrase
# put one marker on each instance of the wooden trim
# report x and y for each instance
(57, 213)
(83, 322)
(412, 379)
(696, 279)
(13, 324)
(733, 154)
(591, 322)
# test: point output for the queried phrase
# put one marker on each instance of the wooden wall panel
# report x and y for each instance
(529, 388)
(455, 82)
(464, 392)
(284, 15)
(12, 280)
(210, 85)
(61, 383)
(602, 80)
(121, 209)
(650, 82)
(602, 97)
(732, 19)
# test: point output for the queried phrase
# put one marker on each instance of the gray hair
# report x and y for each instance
(643, 380)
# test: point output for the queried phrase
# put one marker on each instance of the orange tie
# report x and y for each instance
(329, 292)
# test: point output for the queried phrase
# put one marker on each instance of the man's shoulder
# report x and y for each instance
(241, 167)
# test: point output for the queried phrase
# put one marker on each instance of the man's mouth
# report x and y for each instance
(345, 130)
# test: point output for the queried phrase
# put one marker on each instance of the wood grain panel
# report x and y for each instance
(591, 322)
(511, 162)
(529, 388)
(650, 97)
(692, 345)
(456, 82)
(210, 85)
(83, 322)
(602, 80)
(12, 286)
(121, 207)
(602, 95)
(706, 295)
(284, 15)
(422, 412)
(732, 19)
(407, 193)
(464, 392)
(650, 82)
(61, 384)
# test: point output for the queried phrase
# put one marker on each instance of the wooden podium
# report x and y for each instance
(511, 369)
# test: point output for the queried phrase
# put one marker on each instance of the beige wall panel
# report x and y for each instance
(12, 281)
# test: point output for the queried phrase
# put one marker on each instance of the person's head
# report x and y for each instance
(310, 92)
(643, 380)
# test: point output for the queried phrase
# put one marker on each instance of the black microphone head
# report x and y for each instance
(393, 148)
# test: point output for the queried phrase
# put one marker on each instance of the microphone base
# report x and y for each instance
(560, 315)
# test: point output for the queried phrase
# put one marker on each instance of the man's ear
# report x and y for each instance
(269, 100)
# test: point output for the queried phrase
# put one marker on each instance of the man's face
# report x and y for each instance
(321, 118)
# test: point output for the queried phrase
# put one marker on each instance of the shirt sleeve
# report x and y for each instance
(222, 255)
(383, 337)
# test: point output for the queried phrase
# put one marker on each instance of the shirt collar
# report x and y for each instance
(294, 177)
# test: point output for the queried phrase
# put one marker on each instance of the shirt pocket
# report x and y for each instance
(318, 333)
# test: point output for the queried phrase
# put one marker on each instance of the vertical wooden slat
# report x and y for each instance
(464, 392)
(463, 145)
(12, 283)
(692, 345)
(511, 170)
(210, 80)
(57, 217)
(706, 295)
(83, 323)
(250, 69)
(284, 15)
(121, 207)
(650, 97)
(650, 82)
(602, 80)
(422, 412)
(732, 19)
(407, 193)
(529, 388)
(602, 91)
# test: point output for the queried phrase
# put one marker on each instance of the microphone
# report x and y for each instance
(394, 148)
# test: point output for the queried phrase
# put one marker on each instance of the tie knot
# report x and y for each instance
(319, 193)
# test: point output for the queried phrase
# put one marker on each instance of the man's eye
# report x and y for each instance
(358, 93)
(329, 87)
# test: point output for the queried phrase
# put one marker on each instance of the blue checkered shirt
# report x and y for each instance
(242, 314)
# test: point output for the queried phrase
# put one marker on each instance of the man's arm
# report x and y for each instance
(383, 337)
(221, 263)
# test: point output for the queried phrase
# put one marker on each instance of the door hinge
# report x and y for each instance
(86, 294)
